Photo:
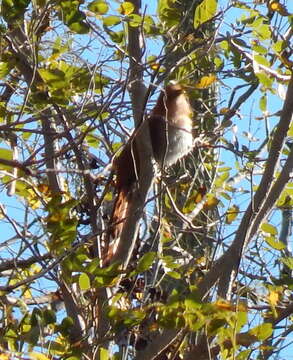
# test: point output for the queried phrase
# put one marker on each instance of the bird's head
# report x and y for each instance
(174, 90)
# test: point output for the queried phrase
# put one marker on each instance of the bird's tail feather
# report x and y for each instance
(116, 224)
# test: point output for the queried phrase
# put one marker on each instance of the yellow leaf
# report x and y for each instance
(27, 294)
(232, 214)
(279, 8)
(33, 200)
(225, 305)
(224, 110)
(205, 81)
(211, 202)
(242, 307)
(126, 8)
(37, 356)
(155, 66)
(273, 298)
(4, 357)
(201, 261)
(44, 189)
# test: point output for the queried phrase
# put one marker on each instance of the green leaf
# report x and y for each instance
(204, 12)
(66, 325)
(288, 261)
(168, 12)
(263, 32)
(243, 355)
(116, 36)
(149, 25)
(111, 20)
(92, 140)
(73, 17)
(4, 69)
(263, 103)
(224, 168)
(262, 331)
(134, 20)
(192, 301)
(174, 274)
(265, 80)
(104, 354)
(84, 282)
(269, 229)
(290, 131)
(260, 49)
(55, 78)
(277, 245)
(126, 8)
(49, 316)
(279, 46)
(79, 27)
(261, 60)
(232, 214)
(98, 7)
(145, 262)
(13, 9)
(222, 178)
(5, 154)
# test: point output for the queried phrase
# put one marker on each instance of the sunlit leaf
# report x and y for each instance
(111, 20)
(4, 69)
(168, 12)
(273, 297)
(211, 202)
(269, 229)
(263, 103)
(155, 66)
(279, 8)
(134, 20)
(84, 281)
(145, 261)
(5, 357)
(288, 261)
(262, 331)
(225, 305)
(37, 356)
(261, 60)
(205, 11)
(279, 45)
(126, 8)
(98, 7)
(104, 354)
(264, 79)
(5, 154)
(54, 77)
(174, 274)
(232, 214)
(205, 82)
(224, 110)
(260, 49)
(277, 245)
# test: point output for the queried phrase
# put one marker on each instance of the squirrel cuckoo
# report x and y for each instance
(170, 125)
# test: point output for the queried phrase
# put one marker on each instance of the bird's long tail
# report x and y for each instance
(117, 220)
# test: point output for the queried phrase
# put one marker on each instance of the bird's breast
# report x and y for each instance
(178, 144)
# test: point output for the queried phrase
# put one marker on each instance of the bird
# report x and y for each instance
(170, 126)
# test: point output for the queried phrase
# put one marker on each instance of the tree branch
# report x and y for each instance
(263, 200)
(143, 145)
